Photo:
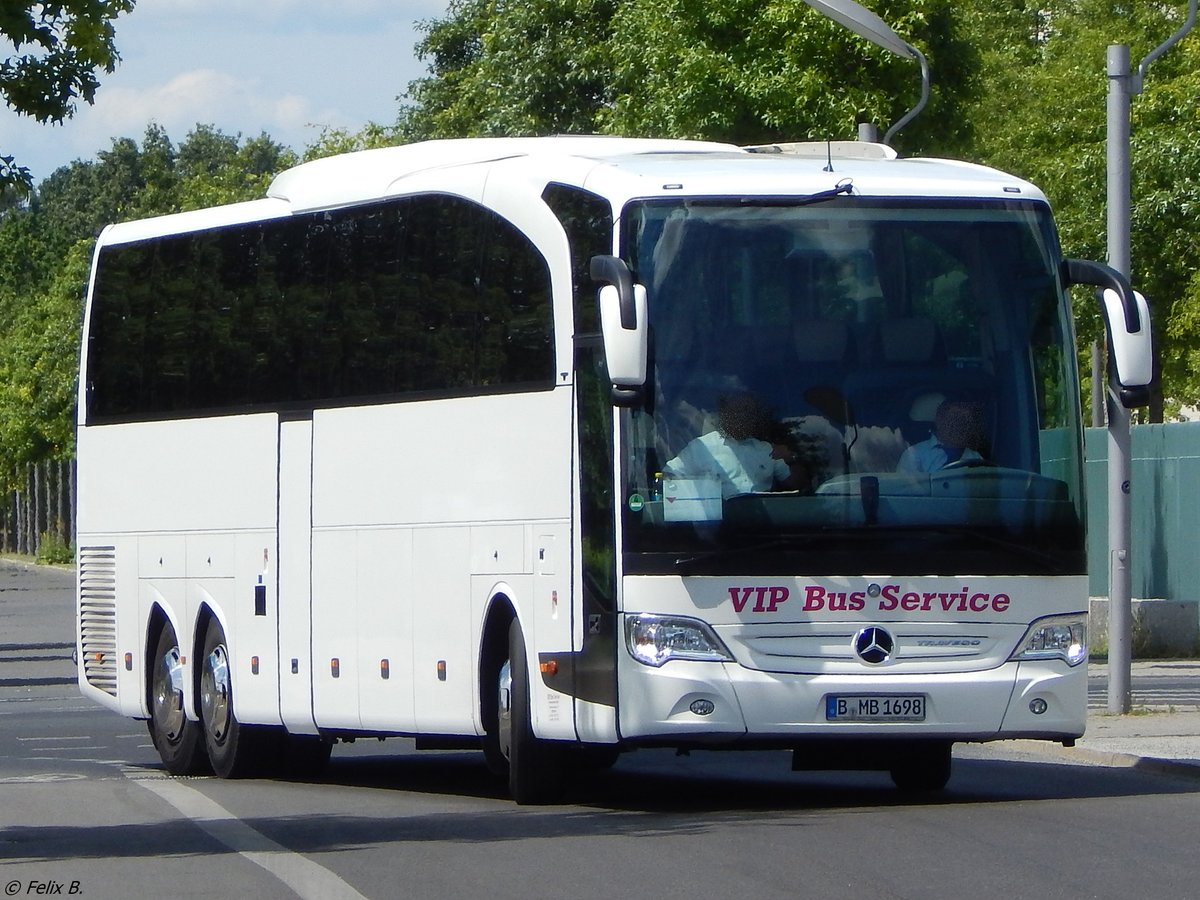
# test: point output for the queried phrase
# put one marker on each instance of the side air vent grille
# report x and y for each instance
(98, 616)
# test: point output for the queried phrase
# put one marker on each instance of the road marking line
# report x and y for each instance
(307, 878)
(81, 737)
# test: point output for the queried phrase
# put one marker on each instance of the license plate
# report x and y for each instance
(875, 708)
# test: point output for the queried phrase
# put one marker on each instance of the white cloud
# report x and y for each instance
(233, 104)
(286, 67)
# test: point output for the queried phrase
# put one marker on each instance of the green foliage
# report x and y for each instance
(1044, 99)
(749, 71)
(738, 70)
(513, 67)
(53, 550)
(39, 350)
(333, 141)
(58, 49)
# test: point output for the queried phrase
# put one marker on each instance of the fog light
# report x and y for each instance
(1037, 706)
(702, 707)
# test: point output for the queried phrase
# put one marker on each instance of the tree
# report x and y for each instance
(513, 67)
(1044, 99)
(59, 48)
(216, 168)
(739, 70)
(39, 352)
(751, 71)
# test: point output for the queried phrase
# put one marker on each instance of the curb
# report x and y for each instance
(1111, 759)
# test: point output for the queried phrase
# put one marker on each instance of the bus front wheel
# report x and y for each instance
(234, 749)
(535, 766)
(178, 740)
(925, 767)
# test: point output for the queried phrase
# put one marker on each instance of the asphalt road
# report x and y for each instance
(86, 810)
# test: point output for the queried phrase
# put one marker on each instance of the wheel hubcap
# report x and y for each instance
(504, 710)
(168, 695)
(214, 693)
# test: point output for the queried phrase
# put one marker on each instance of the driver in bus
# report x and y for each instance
(745, 451)
(959, 436)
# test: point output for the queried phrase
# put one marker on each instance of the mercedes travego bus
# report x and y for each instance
(563, 447)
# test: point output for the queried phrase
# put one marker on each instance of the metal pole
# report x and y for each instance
(1122, 86)
(1120, 612)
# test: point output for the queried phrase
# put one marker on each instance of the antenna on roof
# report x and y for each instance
(828, 156)
(866, 24)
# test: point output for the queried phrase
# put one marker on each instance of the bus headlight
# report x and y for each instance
(654, 640)
(1058, 637)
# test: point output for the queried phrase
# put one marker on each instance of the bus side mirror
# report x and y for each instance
(623, 324)
(1132, 351)
(1127, 319)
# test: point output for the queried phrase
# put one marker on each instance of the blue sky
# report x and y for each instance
(286, 67)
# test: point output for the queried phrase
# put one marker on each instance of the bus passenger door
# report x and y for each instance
(595, 632)
(294, 554)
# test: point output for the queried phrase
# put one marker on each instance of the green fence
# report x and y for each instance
(1165, 516)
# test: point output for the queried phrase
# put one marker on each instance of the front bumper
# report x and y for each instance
(670, 704)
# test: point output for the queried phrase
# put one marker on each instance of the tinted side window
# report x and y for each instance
(587, 219)
(429, 295)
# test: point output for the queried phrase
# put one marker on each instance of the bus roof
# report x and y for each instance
(624, 168)
(620, 169)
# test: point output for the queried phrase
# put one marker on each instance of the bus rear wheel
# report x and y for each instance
(535, 766)
(179, 741)
(235, 750)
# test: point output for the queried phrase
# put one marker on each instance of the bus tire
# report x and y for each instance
(234, 750)
(925, 767)
(535, 767)
(178, 740)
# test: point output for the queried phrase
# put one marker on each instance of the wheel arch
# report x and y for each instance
(158, 619)
(204, 615)
(493, 650)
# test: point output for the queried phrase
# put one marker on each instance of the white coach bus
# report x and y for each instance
(562, 447)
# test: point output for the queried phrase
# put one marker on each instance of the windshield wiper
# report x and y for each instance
(845, 186)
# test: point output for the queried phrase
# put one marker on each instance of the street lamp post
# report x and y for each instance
(1122, 85)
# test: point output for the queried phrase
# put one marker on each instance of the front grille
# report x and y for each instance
(98, 617)
(829, 648)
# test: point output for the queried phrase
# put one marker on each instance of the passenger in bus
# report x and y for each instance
(959, 436)
(747, 451)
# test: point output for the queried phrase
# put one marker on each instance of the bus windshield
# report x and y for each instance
(852, 387)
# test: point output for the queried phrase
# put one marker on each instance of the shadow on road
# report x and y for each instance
(647, 794)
